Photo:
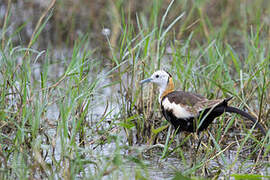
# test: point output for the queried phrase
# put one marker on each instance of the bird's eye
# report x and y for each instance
(157, 76)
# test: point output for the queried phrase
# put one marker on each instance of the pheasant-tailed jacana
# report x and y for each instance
(188, 111)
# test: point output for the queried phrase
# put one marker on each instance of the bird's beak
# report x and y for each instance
(146, 80)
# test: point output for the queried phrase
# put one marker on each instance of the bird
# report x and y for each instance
(191, 112)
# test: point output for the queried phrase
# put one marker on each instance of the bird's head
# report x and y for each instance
(160, 78)
(163, 80)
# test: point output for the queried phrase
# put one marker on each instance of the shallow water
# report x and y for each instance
(154, 167)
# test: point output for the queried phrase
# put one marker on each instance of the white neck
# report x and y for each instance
(162, 88)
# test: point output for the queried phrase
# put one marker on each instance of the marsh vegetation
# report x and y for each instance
(72, 106)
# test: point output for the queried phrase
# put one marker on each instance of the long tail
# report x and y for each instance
(246, 115)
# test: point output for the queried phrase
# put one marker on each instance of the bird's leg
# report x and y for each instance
(191, 151)
(173, 133)
(199, 142)
(194, 155)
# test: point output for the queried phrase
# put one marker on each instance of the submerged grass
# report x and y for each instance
(58, 120)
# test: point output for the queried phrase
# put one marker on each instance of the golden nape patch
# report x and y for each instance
(179, 111)
(169, 88)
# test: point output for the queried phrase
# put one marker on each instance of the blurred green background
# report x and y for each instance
(207, 19)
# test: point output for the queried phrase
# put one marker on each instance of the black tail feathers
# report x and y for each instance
(246, 115)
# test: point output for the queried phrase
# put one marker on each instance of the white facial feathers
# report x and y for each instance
(160, 78)
(179, 111)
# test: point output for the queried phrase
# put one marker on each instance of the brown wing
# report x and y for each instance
(185, 98)
(193, 103)
(201, 105)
